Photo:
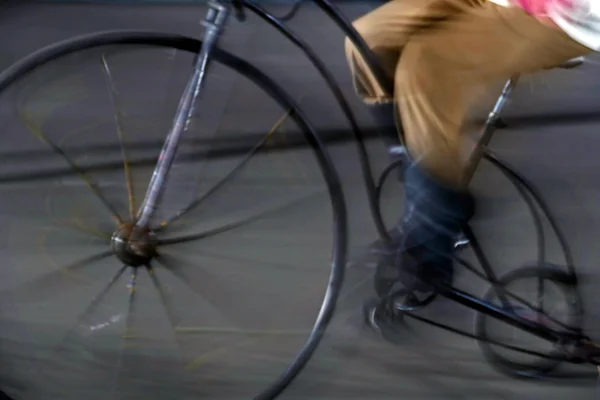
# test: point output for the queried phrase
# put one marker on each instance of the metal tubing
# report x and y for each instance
(509, 317)
(214, 23)
(488, 129)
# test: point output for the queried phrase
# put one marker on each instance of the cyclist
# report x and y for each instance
(442, 54)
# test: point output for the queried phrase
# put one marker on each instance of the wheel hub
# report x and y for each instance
(135, 246)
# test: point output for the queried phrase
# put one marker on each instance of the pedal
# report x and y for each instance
(461, 242)
(377, 314)
(405, 300)
(380, 316)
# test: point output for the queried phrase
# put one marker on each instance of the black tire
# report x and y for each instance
(541, 366)
(244, 68)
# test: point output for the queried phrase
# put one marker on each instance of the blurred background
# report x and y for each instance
(224, 316)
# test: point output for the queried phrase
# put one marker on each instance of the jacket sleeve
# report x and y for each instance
(580, 19)
(576, 10)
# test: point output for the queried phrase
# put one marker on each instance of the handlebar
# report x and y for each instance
(238, 5)
(290, 14)
(240, 13)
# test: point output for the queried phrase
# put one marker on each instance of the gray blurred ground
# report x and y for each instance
(252, 292)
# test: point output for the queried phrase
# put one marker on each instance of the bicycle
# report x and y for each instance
(136, 242)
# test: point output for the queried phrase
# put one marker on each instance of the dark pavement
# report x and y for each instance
(230, 311)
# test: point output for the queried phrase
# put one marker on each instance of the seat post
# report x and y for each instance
(489, 128)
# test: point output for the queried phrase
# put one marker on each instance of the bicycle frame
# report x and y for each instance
(214, 23)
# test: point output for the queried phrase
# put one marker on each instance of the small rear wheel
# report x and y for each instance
(546, 295)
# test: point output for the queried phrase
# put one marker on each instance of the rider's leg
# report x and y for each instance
(386, 30)
(439, 75)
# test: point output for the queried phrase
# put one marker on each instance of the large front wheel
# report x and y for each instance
(82, 320)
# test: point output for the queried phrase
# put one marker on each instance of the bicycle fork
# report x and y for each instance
(213, 23)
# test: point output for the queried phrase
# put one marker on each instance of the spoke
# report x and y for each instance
(515, 297)
(254, 263)
(48, 284)
(77, 226)
(252, 336)
(540, 296)
(129, 320)
(208, 287)
(164, 297)
(120, 132)
(539, 311)
(236, 224)
(168, 263)
(100, 296)
(71, 333)
(227, 178)
(88, 181)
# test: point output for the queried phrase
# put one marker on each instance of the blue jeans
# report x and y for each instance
(434, 216)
